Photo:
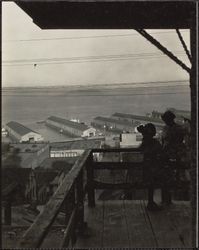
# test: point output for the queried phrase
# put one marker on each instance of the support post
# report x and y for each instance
(193, 85)
(80, 203)
(8, 212)
(90, 182)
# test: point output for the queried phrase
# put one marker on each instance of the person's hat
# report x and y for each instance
(168, 116)
(148, 129)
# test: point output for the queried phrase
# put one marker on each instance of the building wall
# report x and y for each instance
(89, 132)
(35, 136)
(66, 153)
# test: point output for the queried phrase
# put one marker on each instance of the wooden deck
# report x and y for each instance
(129, 224)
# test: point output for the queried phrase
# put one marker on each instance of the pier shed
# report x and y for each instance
(70, 127)
(21, 133)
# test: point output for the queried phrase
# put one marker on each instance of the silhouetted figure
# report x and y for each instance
(173, 150)
(152, 150)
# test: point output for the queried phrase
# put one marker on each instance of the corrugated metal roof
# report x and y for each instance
(107, 119)
(19, 128)
(76, 125)
(138, 117)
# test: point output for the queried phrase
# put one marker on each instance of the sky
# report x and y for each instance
(35, 57)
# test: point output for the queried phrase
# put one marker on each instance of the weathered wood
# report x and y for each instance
(163, 227)
(9, 189)
(90, 182)
(138, 224)
(68, 234)
(180, 217)
(7, 212)
(115, 232)
(36, 233)
(115, 150)
(80, 202)
(95, 220)
(103, 185)
(117, 165)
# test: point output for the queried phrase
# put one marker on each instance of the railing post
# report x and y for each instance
(7, 212)
(90, 181)
(80, 203)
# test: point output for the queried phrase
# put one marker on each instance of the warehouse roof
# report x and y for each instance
(19, 128)
(76, 125)
(108, 119)
(138, 117)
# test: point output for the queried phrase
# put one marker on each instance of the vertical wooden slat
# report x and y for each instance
(194, 114)
(80, 202)
(7, 212)
(90, 182)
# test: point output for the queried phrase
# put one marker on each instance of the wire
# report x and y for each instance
(138, 94)
(82, 37)
(88, 57)
(84, 60)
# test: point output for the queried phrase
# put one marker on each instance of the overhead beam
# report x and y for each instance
(152, 40)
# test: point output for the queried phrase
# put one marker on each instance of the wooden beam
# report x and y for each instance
(35, 235)
(152, 40)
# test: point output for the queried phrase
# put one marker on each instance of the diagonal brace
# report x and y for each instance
(184, 44)
(163, 49)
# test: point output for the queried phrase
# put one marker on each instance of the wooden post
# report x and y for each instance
(8, 212)
(90, 182)
(80, 203)
(193, 85)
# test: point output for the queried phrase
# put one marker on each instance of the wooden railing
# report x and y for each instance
(71, 193)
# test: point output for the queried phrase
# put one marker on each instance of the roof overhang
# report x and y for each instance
(110, 14)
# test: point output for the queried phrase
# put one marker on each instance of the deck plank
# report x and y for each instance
(115, 232)
(164, 229)
(95, 220)
(180, 216)
(140, 232)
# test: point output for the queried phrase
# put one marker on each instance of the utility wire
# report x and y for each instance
(35, 63)
(88, 57)
(135, 94)
(82, 37)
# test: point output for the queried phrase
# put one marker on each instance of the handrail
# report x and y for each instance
(35, 235)
(74, 188)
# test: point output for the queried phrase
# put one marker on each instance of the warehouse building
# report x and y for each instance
(136, 120)
(73, 148)
(72, 128)
(112, 124)
(21, 133)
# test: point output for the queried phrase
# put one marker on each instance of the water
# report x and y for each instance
(29, 106)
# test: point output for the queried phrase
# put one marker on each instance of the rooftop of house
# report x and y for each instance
(72, 124)
(19, 128)
(75, 145)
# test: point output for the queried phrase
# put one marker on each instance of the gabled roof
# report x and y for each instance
(112, 120)
(72, 124)
(19, 128)
(138, 117)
